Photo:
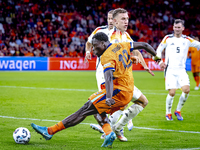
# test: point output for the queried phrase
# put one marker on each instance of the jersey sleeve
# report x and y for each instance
(193, 43)
(128, 37)
(93, 33)
(131, 46)
(162, 46)
(108, 62)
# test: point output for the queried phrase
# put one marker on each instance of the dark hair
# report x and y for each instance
(118, 11)
(100, 36)
(176, 21)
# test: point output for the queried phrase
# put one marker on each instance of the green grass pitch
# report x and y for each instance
(47, 97)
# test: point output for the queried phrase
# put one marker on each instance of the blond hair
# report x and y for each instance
(118, 11)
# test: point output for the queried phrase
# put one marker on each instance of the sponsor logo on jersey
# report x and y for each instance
(106, 65)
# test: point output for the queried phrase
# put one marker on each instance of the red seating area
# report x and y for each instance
(50, 28)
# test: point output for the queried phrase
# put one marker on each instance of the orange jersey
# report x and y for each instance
(117, 58)
(195, 56)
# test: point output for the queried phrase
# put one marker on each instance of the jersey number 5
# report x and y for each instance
(178, 50)
(125, 59)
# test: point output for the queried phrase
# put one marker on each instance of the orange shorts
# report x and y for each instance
(122, 98)
(195, 68)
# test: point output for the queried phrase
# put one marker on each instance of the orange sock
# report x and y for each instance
(196, 78)
(106, 128)
(57, 127)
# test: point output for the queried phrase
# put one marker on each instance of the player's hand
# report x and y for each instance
(149, 71)
(87, 57)
(163, 66)
(135, 59)
(110, 101)
(156, 59)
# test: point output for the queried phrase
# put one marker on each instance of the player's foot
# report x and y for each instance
(103, 136)
(96, 127)
(130, 125)
(196, 88)
(178, 115)
(109, 140)
(169, 117)
(42, 130)
(119, 134)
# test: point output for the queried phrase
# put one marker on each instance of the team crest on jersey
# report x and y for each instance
(116, 41)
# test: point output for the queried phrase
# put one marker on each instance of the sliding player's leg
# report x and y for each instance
(72, 120)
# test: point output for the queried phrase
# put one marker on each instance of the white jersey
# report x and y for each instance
(103, 29)
(116, 36)
(176, 50)
(99, 68)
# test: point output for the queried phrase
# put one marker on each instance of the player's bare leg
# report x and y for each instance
(72, 120)
(87, 109)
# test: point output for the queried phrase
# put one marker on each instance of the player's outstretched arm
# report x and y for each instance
(146, 46)
(135, 60)
(109, 87)
(88, 48)
(141, 61)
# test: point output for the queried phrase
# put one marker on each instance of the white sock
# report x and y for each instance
(169, 101)
(115, 117)
(182, 101)
(130, 113)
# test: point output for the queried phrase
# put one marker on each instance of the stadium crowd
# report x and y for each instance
(52, 28)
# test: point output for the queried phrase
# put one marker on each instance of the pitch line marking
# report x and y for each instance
(85, 90)
(34, 88)
(169, 130)
(188, 148)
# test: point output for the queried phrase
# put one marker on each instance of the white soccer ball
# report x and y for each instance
(22, 135)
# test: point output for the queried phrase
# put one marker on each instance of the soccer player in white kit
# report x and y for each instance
(99, 68)
(119, 34)
(176, 49)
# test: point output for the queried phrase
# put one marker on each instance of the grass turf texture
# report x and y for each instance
(55, 95)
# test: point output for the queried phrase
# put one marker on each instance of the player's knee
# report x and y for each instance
(186, 89)
(172, 93)
(143, 100)
(145, 103)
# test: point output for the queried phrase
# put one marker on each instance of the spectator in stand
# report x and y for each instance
(27, 19)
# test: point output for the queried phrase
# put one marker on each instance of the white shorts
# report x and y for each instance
(136, 94)
(175, 79)
(99, 73)
(100, 80)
